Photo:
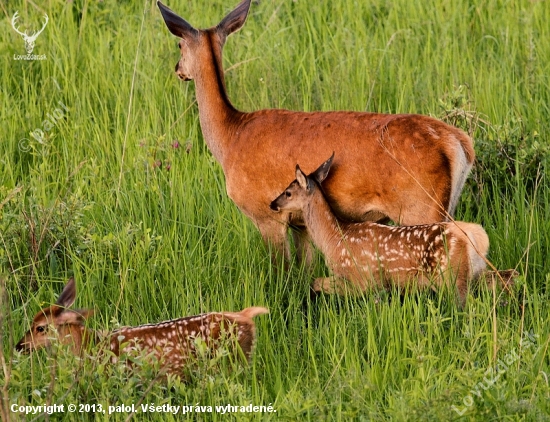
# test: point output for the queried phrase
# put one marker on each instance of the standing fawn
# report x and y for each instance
(407, 168)
(171, 342)
(369, 253)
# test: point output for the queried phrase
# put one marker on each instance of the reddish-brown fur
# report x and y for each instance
(368, 253)
(172, 342)
(408, 168)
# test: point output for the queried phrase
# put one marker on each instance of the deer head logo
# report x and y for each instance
(29, 39)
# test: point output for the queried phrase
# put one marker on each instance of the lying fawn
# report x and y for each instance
(408, 168)
(171, 342)
(366, 253)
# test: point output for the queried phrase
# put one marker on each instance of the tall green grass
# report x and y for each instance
(123, 194)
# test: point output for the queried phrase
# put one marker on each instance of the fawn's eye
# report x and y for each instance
(40, 329)
(288, 194)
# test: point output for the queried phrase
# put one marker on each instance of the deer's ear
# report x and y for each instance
(235, 19)
(176, 24)
(322, 172)
(301, 178)
(68, 295)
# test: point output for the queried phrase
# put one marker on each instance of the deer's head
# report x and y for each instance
(29, 39)
(194, 42)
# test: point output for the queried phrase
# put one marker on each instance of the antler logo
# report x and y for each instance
(29, 39)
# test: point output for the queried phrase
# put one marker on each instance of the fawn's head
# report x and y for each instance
(296, 195)
(54, 318)
(196, 41)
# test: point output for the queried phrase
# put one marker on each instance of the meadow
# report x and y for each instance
(104, 175)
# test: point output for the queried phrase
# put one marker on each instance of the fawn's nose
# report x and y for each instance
(20, 347)
(274, 206)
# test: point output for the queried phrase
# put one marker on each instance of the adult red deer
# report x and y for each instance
(407, 168)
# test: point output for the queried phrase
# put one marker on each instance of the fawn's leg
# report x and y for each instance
(336, 285)
(462, 281)
(462, 293)
(504, 279)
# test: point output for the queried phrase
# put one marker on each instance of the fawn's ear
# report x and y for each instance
(322, 172)
(235, 19)
(176, 24)
(85, 313)
(68, 295)
(301, 178)
(73, 317)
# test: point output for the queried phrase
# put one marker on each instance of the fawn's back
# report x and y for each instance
(427, 253)
(175, 341)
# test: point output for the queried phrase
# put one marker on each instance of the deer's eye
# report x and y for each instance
(40, 329)
(288, 194)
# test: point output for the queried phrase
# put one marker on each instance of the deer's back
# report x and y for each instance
(378, 159)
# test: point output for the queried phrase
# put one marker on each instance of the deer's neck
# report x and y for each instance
(217, 115)
(324, 228)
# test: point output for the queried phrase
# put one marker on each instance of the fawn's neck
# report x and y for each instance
(323, 226)
(77, 336)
